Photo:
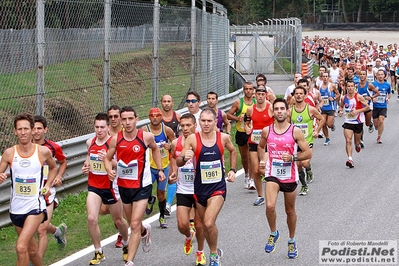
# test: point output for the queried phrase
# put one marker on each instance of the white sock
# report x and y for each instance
(57, 232)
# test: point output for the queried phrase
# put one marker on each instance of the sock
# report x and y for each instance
(143, 234)
(171, 192)
(350, 158)
(125, 243)
(162, 206)
(191, 220)
(274, 233)
(302, 177)
(99, 250)
(57, 232)
(309, 168)
(291, 240)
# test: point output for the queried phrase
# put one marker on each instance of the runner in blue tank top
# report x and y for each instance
(380, 103)
(369, 92)
(329, 94)
(206, 148)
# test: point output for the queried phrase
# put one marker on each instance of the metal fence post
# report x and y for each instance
(107, 67)
(40, 57)
(155, 59)
(204, 50)
(193, 45)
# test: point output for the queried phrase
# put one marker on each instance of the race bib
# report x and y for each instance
(45, 171)
(96, 165)
(349, 115)
(187, 175)
(381, 98)
(304, 128)
(25, 186)
(256, 136)
(127, 171)
(325, 99)
(281, 169)
(211, 172)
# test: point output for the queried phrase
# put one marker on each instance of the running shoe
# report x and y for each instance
(61, 239)
(192, 226)
(168, 209)
(146, 240)
(397, 98)
(309, 175)
(214, 259)
(246, 181)
(150, 205)
(379, 140)
(350, 163)
(304, 191)
(188, 244)
(162, 223)
(333, 127)
(320, 136)
(358, 148)
(129, 263)
(124, 253)
(362, 144)
(251, 185)
(292, 250)
(371, 128)
(327, 142)
(271, 242)
(98, 257)
(259, 201)
(118, 243)
(200, 259)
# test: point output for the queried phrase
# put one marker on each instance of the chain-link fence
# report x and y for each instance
(72, 59)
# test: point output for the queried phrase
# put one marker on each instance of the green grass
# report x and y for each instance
(72, 211)
(74, 89)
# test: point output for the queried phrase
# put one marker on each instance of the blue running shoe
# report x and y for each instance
(271, 242)
(292, 250)
(259, 201)
(214, 260)
(327, 142)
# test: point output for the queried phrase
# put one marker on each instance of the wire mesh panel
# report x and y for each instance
(74, 45)
(71, 59)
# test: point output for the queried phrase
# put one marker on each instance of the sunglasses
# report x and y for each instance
(192, 101)
(113, 116)
(155, 115)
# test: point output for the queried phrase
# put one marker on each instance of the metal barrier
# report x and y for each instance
(75, 150)
(307, 68)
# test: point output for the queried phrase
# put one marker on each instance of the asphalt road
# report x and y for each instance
(343, 204)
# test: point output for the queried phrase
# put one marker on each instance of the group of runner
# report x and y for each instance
(184, 155)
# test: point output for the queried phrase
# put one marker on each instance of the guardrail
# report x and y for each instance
(75, 150)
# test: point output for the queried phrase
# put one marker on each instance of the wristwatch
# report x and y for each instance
(183, 157)
(233, 169)
(294, 158)
(161, 169)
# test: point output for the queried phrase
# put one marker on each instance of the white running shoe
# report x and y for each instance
(246, 181)
(146, 240)
(251, 185)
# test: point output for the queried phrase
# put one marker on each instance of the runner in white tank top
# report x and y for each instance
(27, 204)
